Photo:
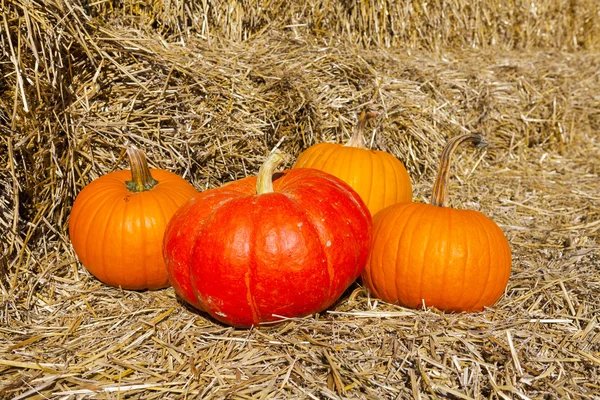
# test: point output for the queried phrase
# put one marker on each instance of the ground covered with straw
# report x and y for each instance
(207, 89)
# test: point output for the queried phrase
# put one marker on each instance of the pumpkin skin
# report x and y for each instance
(247, 256)
(377, 176)
(453, 260)
(117, 233)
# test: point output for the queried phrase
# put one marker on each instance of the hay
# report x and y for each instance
(417, 24)
(207, 90)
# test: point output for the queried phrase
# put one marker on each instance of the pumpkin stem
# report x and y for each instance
(264, 181)
(439, 196)
(358, 137)
(141, 179)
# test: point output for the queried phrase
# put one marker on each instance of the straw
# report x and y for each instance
(208, 89)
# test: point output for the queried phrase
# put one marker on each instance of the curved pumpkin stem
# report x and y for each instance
(439, 197)
(264, 180)
(358, 137)
(141, 179)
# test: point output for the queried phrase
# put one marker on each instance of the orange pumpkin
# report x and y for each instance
(118, 221)
(433, 255)
(377, 176)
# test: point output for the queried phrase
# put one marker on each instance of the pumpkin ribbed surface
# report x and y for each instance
(117, 234)
(454, 260)
(434, 255)
(247, 258)
(378, 177)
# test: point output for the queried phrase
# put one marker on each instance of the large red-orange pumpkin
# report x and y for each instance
(433, 255)
(377, 176)
(117, 223)
(262, 248)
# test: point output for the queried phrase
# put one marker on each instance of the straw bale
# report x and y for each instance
(414, 23)
(208, 89)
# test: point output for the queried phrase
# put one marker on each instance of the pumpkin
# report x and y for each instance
(268, 246)
(430, 254)
(377, 176)
(118, 221)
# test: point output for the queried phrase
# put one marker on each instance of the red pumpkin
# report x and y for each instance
(117, 223)
(259, 249)
(434, 255)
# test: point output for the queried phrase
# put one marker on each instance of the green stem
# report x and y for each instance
(264, 181)
(358, 137)
(439, 197)
(141, 179)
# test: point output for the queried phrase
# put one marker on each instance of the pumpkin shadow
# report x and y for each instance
(200, 313)
(357, 284)
(278, 175)
(269, 325)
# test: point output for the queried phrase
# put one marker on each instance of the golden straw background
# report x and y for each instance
(207, 89)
